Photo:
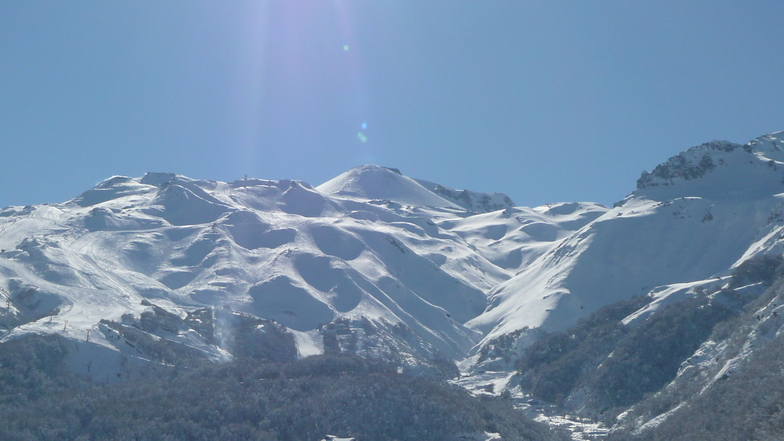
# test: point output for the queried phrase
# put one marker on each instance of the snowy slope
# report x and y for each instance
(370, 262)
(692, 219)
(514, 237)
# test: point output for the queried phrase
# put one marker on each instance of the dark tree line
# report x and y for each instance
(245, 399)
(616, 366)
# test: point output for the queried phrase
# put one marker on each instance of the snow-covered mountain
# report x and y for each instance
(370, 262)
(689, 222)
(151, 270)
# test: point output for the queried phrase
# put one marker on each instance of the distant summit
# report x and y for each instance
(372, 182)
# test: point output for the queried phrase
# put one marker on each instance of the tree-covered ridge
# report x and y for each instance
(243, 400)
(747, 405)
(600, 367)
(732, 388)
(559, 362)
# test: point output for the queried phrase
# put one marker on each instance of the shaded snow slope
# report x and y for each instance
(470, 200)
(514, 237)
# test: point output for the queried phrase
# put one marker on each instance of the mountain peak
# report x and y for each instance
(374, 182)
(771, 145)
(694, 163)
(156, 178)
(718, 169)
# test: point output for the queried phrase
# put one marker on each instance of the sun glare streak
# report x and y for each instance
(358, 78)
(299, 66)
(248, 88)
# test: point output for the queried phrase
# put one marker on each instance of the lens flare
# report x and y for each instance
(302, 64)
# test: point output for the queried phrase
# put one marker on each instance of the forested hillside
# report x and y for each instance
(244, 400)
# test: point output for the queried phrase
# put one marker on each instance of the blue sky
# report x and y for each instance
(546, 101)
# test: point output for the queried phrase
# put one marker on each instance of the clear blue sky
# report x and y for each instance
(546, 101)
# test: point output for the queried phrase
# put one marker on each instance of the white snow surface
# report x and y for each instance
(679, 230)
(371, 182)
(375, 245)
(278, 250)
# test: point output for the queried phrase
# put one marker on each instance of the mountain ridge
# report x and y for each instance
(279, 250)
(142, 272)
